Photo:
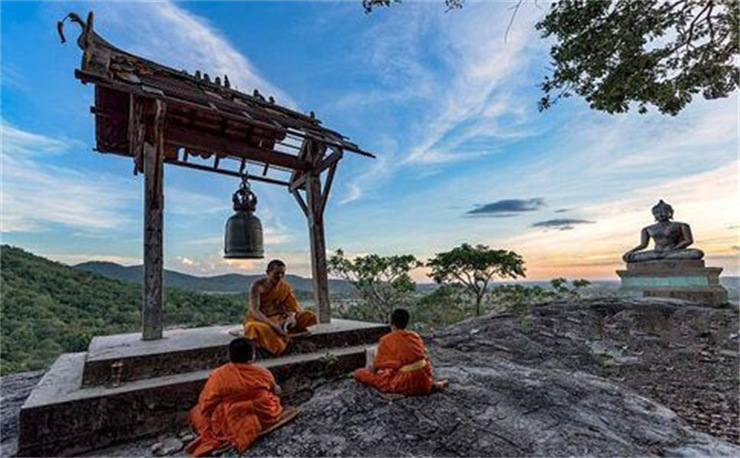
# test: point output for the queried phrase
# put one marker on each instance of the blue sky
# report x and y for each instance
(447, 104)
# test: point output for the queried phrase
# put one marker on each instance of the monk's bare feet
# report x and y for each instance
(440, 385)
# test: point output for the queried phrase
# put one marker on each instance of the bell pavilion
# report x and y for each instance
(137, 385)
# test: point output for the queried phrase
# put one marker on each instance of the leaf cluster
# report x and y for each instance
(383, 281)
(475, 267)
(653, 52)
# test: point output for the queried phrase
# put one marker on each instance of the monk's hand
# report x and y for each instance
(291, 321)
(279, 329)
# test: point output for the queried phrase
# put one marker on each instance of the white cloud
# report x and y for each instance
(168, 34)
(35, 194)
(469, 91)
(18, 142)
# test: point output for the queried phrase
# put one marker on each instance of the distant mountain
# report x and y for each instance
(228, 283)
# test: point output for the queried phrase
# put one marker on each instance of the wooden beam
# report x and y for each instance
(319, 269)
(181, 136)
(329, 161)
(298, 183)
(231, 173)
(327, 186)
(301, 203)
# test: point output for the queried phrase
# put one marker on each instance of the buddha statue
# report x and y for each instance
(671, 239)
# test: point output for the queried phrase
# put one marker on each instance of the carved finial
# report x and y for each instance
(206, 78)
(313, 115)
(226, 81)
(271, 99)
(197, 74)
(184, 72)
(257, 95)
(86, 27)
(218, 80)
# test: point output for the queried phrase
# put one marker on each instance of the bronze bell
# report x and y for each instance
(244, 230)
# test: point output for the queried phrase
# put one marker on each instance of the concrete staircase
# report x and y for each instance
(124, 388)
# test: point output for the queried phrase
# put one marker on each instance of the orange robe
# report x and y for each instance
(401, 365)
(276, 305)
(236, 404)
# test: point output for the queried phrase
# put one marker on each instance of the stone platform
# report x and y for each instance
(112, 360)
(677, 279)
(124, 388)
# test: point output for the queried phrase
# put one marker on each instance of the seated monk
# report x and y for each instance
(671, 238)
(401, 364)
(238, 401)
(274, 312)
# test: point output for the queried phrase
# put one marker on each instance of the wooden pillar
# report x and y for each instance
(153, 249)
(318, 246)
(151, 316)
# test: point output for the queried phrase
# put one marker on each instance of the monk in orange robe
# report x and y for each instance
(239, 400)
(401, 364)
(274, 312)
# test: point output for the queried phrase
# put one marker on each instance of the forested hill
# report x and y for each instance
(229, 283)
(49, 308)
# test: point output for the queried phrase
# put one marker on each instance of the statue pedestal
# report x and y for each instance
(677, 279)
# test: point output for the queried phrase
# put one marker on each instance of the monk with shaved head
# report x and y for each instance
(401, 364)
(274, 313)
(238, 402)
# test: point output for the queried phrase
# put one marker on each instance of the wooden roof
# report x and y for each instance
(206, 118)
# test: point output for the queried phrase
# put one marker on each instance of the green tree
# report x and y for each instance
(651, 52)
(382, 281)
(445, 305)
(475, 267)
(560, 285)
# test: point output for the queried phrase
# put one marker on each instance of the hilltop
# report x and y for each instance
(228, 283)
(596, 377)
(49, 308)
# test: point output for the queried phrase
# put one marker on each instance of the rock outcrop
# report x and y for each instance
(601, 377)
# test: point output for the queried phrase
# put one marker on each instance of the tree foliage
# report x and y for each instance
(475, 267)
(652, 52)
(614, 53)
(382, 281)
(49, 308)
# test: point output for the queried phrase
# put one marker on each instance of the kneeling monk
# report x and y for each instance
(238, 401)
(401, 364)
(274, 312)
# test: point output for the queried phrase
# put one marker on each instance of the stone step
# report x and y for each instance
(113, 360)
(62, 418)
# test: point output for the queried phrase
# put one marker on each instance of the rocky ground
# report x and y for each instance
(601, 376)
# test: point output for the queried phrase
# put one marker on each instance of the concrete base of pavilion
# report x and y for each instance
(124, 388)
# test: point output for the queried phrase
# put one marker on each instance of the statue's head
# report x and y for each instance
(662, 211)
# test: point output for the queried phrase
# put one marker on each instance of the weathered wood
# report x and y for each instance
(329, 161)
(318, 248)
(188, 138)
(153, 249)
(298, 183)
(227, 172)
(300, 201)
(327, 186)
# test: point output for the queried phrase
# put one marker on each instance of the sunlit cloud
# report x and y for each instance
(702, 200)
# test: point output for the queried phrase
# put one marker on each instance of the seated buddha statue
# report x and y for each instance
(671, 239)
